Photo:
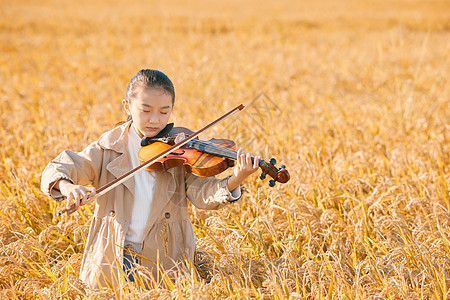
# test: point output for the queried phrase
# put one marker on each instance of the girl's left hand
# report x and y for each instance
(244, 168)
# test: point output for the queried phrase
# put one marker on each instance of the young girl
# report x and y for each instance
(148, 214)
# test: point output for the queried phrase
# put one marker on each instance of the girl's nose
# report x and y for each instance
(154, 118)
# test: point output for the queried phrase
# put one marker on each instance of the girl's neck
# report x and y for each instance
(140, 135)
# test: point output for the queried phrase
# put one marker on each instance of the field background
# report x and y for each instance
(352, 96)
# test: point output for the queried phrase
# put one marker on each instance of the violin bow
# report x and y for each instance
(111, 185)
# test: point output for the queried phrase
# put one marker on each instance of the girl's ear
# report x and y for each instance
(126, 106)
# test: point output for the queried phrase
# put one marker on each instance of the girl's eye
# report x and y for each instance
(145, 111)
(164, 113)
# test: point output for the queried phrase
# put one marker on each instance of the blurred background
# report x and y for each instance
(353, 96)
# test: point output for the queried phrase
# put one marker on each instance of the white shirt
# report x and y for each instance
(144, 183)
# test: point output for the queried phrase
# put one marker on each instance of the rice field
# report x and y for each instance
(352, 96)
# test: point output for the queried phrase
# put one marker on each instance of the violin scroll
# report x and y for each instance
(278, 174)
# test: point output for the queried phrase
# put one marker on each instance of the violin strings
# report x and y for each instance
(213, 149)
(222, 151)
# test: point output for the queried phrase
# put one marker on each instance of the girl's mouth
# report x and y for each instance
(152, 128)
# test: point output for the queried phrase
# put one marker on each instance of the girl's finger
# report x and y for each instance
(69, 200)
(256, 162)
(241, 157)
(83, 196)
(248, 159)
(92, 191)
(238, 156)
(76, 200)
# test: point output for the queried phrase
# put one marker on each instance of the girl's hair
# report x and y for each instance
(152, 79)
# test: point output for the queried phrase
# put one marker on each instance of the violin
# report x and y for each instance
(200, 163)
(202, 158)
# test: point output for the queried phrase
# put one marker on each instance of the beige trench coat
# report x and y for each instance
(169, 235)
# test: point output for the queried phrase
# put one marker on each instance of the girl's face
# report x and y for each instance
(150, 110)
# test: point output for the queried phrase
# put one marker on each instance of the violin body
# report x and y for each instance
(195, 161)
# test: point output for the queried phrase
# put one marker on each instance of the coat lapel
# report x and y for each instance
(117, 140)
(120, 166)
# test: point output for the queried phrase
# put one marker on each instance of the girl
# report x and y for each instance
(144, 220)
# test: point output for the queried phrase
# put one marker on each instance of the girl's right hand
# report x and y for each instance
(75, 193)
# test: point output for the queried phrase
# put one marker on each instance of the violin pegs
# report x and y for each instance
(272, 183)
(263, 175)
(273, 161)
(283, 167)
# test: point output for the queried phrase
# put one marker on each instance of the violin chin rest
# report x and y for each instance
(146, 141)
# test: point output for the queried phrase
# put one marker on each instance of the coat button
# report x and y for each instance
(167, 215)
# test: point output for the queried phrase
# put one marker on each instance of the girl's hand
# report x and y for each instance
(74, 193)
(244, 168)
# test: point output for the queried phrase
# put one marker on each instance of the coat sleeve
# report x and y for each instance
(81, 168)
(210, 192)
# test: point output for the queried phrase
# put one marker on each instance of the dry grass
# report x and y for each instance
(355, 101)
